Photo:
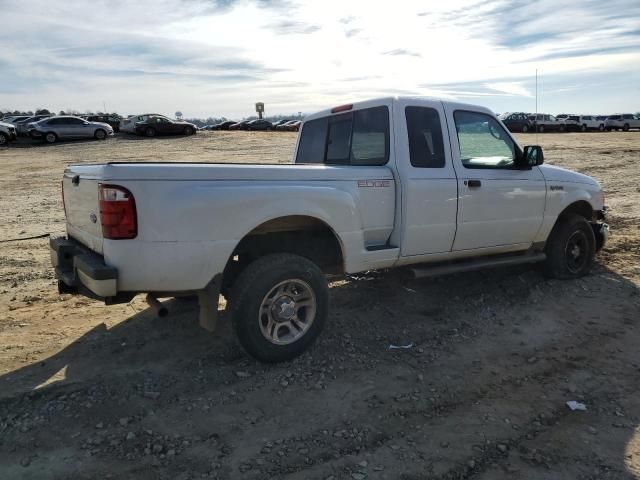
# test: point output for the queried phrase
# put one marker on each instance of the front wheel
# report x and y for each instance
(279, 305)
(188, 131)
(100, 134)
(4, 139)
(601, 128)
(541, 129)
(570, 248)
(51, 137)
(625, 128)
(525, 129)
(583, 128)
(150, 132)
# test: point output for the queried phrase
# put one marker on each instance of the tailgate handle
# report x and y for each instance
(76, 180)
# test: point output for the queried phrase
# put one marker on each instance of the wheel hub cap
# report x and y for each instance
(284, 308)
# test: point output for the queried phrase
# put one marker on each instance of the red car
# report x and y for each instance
(293, 126)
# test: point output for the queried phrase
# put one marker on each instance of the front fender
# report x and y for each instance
(562, 195)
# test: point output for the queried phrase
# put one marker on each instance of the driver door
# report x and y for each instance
(498, 204)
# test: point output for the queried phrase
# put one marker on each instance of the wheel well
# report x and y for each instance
(582, 208)
(301, 235)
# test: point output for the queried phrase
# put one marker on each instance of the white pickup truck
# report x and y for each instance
(391, 182)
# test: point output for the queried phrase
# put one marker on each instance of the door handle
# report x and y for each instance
(473, 183)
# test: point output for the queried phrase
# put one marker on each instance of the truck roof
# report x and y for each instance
(417, 100)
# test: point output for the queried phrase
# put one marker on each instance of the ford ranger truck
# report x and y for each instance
(391, 182)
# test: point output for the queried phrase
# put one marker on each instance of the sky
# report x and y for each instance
(218, 57)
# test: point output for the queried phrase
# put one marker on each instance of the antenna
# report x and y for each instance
(536, 116)
(104, 107)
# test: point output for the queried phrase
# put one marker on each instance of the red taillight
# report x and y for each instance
(117, 213)
(342, 108)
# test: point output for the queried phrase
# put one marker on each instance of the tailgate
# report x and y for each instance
(82, 208)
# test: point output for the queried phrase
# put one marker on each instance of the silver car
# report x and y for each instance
(66, 127)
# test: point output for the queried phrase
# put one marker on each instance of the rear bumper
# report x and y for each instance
(80, 270)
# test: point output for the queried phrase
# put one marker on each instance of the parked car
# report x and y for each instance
(17, 118)
(22, 125)
(239, 125)
(283, 126)
(68, 127)
(589, 122)
(280, 122)
(8, 133)
(113, 120)
(260, 124)
(265, 235)
(224, 125)
(128, 125)
(623, 121)
(546, 123)
(517, 122)
(293, 126)
(163, 126)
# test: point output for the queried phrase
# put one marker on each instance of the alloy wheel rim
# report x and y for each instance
(287, 312)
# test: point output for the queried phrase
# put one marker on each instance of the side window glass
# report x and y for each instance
(312, 141)
(426, 146)
(339, 140)
(483, 142)
(370, 138)
(353, 138)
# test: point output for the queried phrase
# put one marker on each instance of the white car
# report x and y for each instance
(623, 121)
(128, 125)
(438, 185)
(582, 123)
(7, 133)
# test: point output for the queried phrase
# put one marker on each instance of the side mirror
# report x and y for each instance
(533, 156)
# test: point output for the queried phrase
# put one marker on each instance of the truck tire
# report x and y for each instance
(601, 127)
(279, 305)
(541, 129)
(570, 248)
(4, 139)
(583, 128)
(625, 127)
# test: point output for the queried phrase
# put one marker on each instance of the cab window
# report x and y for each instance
(483, 142)
(354, 138)
(426, 146)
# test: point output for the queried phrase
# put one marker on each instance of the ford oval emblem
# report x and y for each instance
(93, 218)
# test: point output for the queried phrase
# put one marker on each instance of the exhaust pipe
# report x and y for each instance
(157, 306)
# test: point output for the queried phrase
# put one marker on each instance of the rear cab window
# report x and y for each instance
(360, 137)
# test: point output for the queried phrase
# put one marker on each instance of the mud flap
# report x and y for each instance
(208, 301)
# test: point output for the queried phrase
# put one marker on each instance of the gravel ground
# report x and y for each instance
(89, 391)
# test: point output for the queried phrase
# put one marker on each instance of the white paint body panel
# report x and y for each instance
(192, 216)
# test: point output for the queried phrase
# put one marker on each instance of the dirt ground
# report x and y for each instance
(90, 391)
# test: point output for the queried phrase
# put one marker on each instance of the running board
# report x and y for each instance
(467, 266)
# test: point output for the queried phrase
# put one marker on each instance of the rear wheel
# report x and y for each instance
(150, 132)
(601, 127)
(525, 129)
(279, 305)
(4, 139)
(541, 128)
(583, 128)
(570, 248)
(100, 134)
(625, 127)
(50, 137)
